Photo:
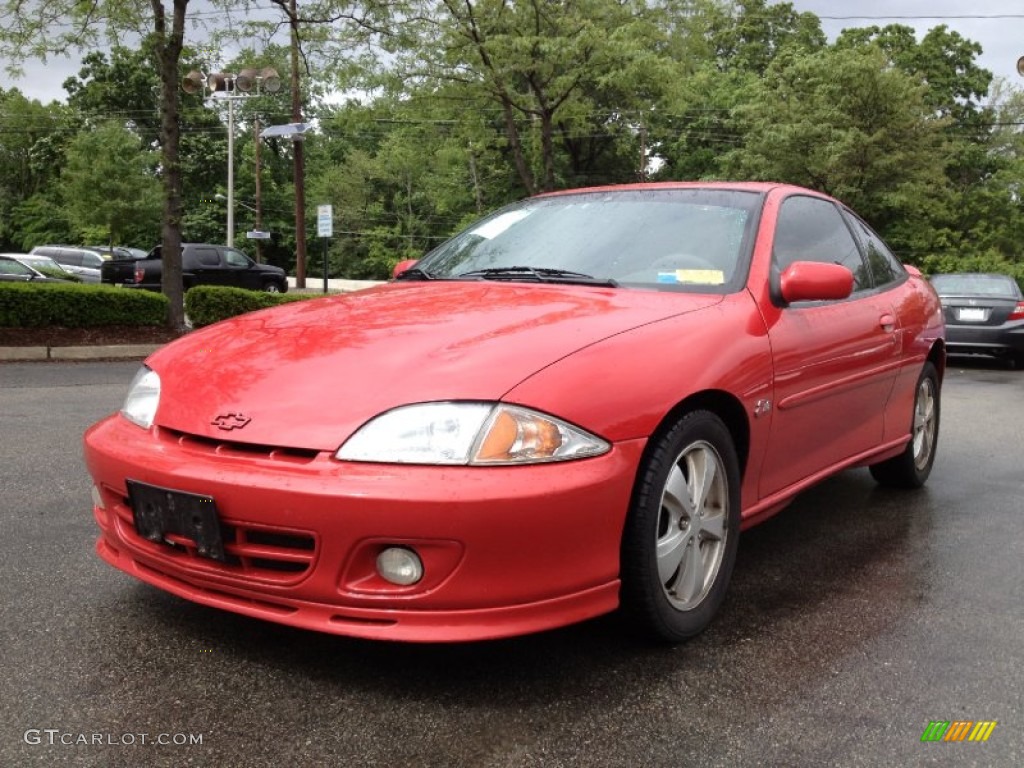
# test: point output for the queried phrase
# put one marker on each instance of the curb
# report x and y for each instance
(99, 352)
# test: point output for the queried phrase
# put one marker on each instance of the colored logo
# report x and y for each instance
(229, 421)
(958, 730)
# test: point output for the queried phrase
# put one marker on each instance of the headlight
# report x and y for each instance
(143, 398)
(468, 433)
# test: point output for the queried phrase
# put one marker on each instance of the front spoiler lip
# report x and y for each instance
(375, 623)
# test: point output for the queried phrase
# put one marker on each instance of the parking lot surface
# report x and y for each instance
(856, 617)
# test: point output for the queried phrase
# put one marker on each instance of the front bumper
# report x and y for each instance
(506, 550)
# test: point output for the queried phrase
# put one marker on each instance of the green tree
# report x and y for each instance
(42, 218)
(839, 120)
(943, 61)
(973, 206)
(546, 72)
(723, 50)
(31, 153)
(27, 31)
(747, 35)
(109, 183)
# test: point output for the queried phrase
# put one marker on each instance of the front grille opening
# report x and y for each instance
(282, 566)
(275, 539)
(259, 552)
(232, 447)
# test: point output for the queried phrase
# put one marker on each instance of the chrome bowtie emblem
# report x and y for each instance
(229, 421)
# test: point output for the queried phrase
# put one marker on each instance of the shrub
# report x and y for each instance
(26, 305)
(208, 304)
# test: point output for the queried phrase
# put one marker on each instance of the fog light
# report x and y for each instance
(399, 566)
(97, 498)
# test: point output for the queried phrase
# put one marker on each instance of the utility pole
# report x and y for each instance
(299, 174)
(642, 172)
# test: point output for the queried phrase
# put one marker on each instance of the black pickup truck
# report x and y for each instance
(201, 264)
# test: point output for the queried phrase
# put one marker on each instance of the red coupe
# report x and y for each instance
(574, 405)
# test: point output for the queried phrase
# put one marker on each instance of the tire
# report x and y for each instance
(271, 287)
(677, 556)
(911, 468)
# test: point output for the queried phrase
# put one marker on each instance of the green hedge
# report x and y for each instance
(27, 305)
(208, 304)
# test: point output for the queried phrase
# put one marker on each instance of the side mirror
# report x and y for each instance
(401, 266)
(815, 281)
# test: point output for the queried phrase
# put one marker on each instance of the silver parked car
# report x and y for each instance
(46, 265)
(83, 262)
(14, 270)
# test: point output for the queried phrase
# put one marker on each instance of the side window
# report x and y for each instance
(885, 267)
(12, 267)
(207, 257)
(71, 258)
(93, 260)
(812, 229)
(235, 258)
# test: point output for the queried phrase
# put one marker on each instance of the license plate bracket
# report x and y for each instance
(161, 511)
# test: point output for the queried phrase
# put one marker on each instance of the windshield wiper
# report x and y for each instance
(415, 273)
(537, 274)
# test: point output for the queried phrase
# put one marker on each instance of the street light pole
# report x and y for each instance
(227, 84)
(231, 172)
(258, 224)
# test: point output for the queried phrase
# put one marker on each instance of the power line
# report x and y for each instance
(922, 17)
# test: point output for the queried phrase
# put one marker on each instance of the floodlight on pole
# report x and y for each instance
(228, 86)
(293, 131)
(223, 198)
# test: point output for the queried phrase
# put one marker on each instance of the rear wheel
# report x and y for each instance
(680, 539)
(911, 468)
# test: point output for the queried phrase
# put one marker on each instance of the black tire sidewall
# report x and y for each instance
(643, 596)
(902, 471)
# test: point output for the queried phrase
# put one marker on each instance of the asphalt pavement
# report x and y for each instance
(855, 619)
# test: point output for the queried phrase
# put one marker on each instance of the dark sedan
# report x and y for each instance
(984, 315)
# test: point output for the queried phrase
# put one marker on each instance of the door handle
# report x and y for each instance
(887, 323)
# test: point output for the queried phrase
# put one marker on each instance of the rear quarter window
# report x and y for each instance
(71, 258)
(885, 268)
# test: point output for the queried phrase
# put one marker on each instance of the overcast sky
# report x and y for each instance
(998, 25)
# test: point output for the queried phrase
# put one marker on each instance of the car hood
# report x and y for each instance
(308, 374)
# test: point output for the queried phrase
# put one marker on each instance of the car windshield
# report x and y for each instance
(683, 238)
(42, 262)
(996, 286)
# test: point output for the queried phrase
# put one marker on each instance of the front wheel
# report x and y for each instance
(680, 539)
(911, 468)
(271, 287)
